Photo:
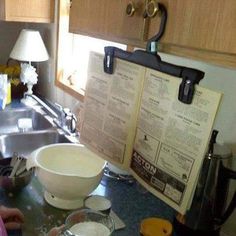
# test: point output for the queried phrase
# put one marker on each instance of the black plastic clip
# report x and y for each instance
(108, 60)
(190, 77)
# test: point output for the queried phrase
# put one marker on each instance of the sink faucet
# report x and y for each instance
(64, 118)
(67, 119)
(43, 104)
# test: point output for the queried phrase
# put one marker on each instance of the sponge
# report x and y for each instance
(25, 124)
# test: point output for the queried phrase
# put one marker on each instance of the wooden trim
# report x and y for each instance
(2, 10)
(211, 57)
(52, 10)
(24, 11)
(73, 92)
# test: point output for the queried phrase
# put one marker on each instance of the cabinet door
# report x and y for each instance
(108, 19)
(202, 29)
(27, 10)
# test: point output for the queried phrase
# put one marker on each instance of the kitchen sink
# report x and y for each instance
(9, 120)
(24, 143)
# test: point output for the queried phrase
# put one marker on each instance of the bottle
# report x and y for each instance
(8, 93)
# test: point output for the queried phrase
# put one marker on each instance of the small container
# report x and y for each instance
(98, 203)
(155, 227)
(25, 124)
(88, 222)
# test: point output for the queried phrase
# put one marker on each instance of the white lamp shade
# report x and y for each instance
(29, 47)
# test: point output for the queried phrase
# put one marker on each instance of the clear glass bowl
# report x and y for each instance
(88, 221)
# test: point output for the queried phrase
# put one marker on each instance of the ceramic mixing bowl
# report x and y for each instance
(68, 173)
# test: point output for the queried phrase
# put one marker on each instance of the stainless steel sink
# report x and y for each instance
(24, 143)
(9, 120)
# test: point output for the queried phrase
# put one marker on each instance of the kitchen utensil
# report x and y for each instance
(14, 183)
(15, 167)
(208, 210)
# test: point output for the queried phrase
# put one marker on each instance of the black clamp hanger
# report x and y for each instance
(151, 59)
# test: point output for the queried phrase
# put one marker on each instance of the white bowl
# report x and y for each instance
(68, 172)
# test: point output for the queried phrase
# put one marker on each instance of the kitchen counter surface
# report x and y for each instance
(130, 201)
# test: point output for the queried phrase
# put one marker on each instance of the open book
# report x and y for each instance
(134, 120)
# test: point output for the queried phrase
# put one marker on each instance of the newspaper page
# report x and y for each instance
(111, 108)
(172, 138)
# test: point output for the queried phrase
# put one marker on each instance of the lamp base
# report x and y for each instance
(28, 101)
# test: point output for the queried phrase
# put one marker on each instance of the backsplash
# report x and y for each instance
(223, 80)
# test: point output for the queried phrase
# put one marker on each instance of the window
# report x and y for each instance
(81, 46)
(73, 55)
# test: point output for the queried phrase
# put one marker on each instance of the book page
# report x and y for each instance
(111, 108)
(172, 138)
(133, 119)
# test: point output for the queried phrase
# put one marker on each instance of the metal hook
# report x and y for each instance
(158, 36)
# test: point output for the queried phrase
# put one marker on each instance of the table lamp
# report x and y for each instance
(29, 47)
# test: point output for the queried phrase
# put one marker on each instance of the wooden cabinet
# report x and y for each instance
(40, 11)
(202, 29)
(198, 29)
(115, 20)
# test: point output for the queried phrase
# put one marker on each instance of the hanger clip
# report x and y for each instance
(108, 60)
(187, 86)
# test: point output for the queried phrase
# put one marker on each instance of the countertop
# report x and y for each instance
(131, 202)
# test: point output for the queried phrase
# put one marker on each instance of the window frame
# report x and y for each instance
(63, 38)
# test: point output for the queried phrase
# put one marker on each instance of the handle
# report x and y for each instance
(228, 174)
(211, 143)
(67, 111)
(229, 210)
(70, 121)
(32, 160)
(155, 39)
(15, 167)
(152, 8)
(58, 106)
(130, 9)
(73, 123)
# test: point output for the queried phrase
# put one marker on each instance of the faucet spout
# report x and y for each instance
(43, 104)
(63, 118)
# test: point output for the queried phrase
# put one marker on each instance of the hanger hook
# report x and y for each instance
(158, 36)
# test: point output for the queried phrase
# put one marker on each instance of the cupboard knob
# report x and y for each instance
(130, 9)
(152, 8)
